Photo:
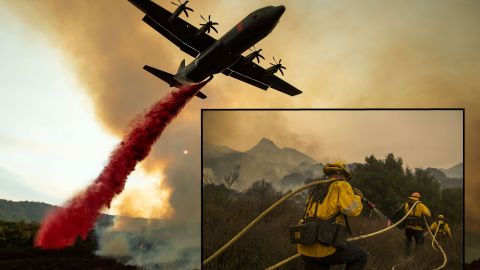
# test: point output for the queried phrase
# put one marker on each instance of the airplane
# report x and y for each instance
(214, 56)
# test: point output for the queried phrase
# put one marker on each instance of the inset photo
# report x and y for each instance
(333, 189)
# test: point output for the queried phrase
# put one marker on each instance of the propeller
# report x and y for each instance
(278, 66)
(183, 7)
(255, 54)
(209, 24)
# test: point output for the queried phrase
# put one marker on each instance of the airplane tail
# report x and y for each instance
(182, 66)
(162, 75)
(169, 78)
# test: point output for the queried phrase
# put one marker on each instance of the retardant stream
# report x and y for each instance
(77, 217)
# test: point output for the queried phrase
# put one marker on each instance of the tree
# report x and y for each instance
(387, 184)
(207, 179)
(382, 181)
(232, 178)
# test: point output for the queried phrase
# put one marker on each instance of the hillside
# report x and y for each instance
(455, 171)
(268, 150)
(286, 167)
(265, 160)
(98, 251)
(27, 211)
(445, 181)
(24, 210)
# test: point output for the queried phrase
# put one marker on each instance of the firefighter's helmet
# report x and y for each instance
(415, 195)
(337, 167)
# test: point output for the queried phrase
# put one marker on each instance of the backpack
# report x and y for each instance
(316, 230)
(397, 215)
(411, 220)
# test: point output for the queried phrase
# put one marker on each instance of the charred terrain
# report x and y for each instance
(17, 251)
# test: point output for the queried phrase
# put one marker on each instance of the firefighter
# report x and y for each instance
(443, 228)
(414, 223)
(337, 201)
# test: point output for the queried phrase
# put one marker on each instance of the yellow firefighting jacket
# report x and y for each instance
(443, 230)
(340, 197)
(419, 211)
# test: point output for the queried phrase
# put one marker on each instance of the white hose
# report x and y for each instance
(445, 260)
(385, 229)
(262, 215)
(435, 237)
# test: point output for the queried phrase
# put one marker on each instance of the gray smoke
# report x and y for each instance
(151, 244)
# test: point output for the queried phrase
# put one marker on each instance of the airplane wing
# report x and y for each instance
(253, 74)
(178, 31)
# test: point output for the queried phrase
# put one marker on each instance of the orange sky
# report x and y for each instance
(341, 54)
(422, 138)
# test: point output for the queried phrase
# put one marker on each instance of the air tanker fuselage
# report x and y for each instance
(228, 49)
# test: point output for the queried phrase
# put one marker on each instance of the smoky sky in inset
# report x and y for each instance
(422, 138)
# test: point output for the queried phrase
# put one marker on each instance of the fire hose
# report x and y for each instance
(277, 203)
(434, 240)
(350, 239)
(435, 237)
(259, 217)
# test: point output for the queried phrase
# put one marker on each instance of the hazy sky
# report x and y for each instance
(72, 81)
(51, 142)
(422, 138)
(49, 138)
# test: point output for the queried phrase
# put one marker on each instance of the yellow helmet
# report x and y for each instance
(337, 167)
(441, 216)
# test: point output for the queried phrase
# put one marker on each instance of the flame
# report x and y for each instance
(148, 197)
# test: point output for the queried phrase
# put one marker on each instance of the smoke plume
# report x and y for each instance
(152, 244)
(62, 227)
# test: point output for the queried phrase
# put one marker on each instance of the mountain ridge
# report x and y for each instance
(286, 167)
(264, 160)
(455, 171)
(33, 211)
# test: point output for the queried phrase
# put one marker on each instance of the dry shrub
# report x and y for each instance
(226, 212)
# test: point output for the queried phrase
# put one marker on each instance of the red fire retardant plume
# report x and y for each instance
(62, 227)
